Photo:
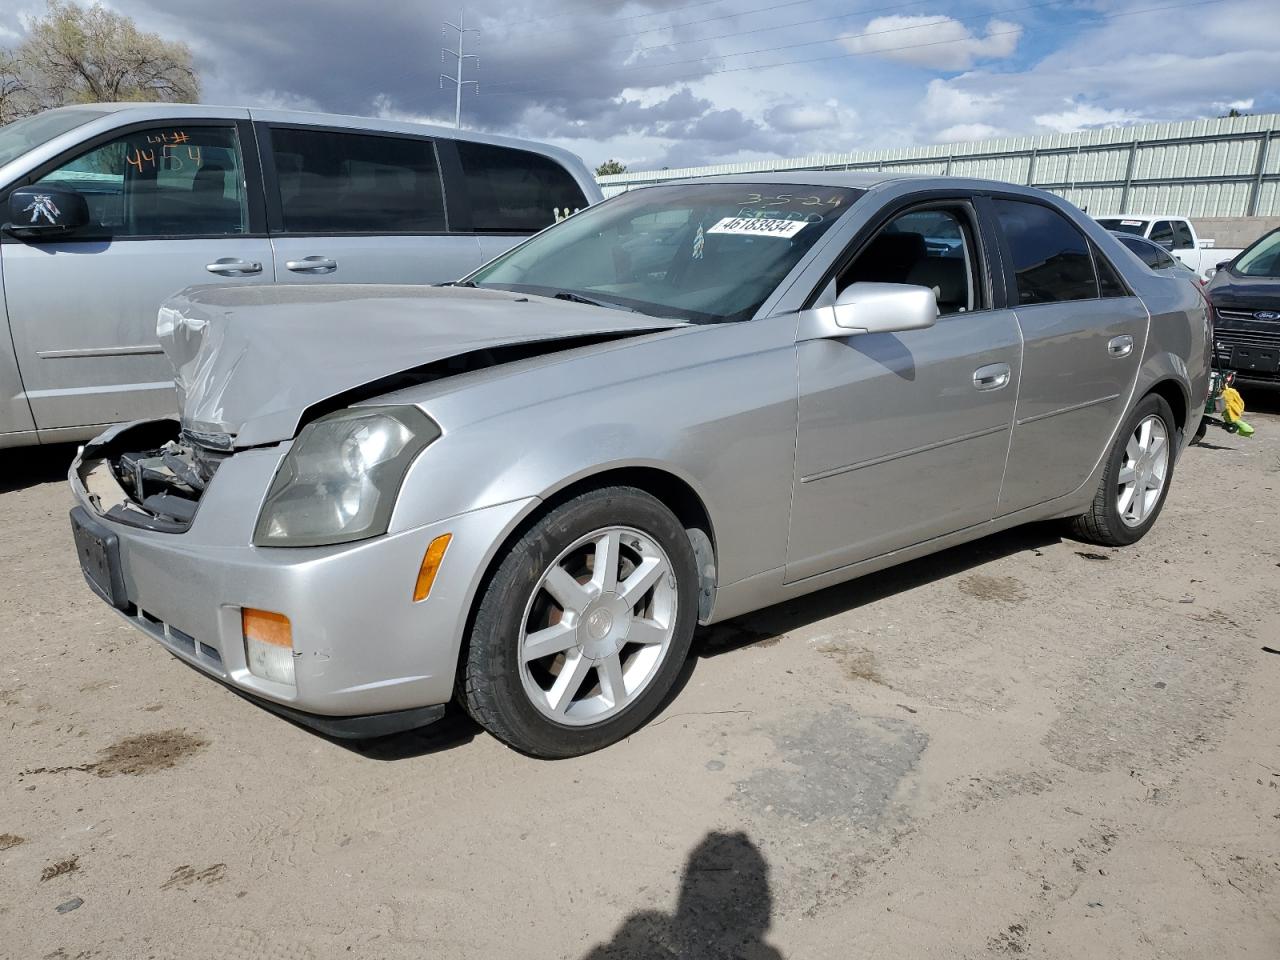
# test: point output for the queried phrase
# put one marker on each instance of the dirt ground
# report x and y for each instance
(1025, 746)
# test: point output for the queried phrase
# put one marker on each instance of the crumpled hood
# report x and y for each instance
(249, 361)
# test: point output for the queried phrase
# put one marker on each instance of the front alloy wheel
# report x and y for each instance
(584, 626)
(598, 626)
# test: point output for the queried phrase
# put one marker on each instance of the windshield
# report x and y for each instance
(704, 252)
(1262, 259)
(1117, 225)
(22, 135)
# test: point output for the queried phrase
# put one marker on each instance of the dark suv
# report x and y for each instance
(1246, 296)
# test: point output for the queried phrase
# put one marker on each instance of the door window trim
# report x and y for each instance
(271, 180)
(246, 141)
(990, 294)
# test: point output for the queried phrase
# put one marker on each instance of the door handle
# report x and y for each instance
(229, 266)
(993, 376)
(1120, 346)
(312, 265)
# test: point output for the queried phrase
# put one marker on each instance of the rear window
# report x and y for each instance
(1050, 257)
(1119, 225)
(515, 191)
(333, 182)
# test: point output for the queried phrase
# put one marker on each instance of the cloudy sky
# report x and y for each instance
(659, 83)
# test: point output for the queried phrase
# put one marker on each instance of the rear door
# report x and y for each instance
(355, 206)
(171, 205)
(1084, 335)
(512, 194)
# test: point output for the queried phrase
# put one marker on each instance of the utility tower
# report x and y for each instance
(457, 81)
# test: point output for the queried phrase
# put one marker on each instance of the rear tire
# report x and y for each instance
(582, 629)
(1136, 481)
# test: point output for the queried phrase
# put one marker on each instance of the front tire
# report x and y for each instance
(1137, 478)
(581, 631)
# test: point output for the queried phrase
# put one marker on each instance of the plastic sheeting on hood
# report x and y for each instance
(249, 361)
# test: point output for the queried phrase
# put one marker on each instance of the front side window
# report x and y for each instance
(1182, 236)
(515, 191)
(172, 181)
(333, 182)
(1162, 233)
(928, 248)
(704, 252)
(1051, 260)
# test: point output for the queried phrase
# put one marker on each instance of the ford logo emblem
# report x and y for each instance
(1266, 315)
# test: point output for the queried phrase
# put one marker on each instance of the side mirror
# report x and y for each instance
(1167, 244)
(871, 308)
(40, 213)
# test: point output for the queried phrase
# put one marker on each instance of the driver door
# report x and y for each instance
(169, 207)
(903, 436)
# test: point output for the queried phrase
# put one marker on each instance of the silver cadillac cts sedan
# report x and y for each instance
(523, 491)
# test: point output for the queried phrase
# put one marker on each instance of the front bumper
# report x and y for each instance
(361, 646)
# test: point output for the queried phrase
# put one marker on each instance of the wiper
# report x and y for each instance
(455, 283)
(579, 298)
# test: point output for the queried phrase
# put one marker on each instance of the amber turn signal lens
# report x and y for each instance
(266, 627)
(431, 561)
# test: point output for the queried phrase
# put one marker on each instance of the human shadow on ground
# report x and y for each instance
(723, 913)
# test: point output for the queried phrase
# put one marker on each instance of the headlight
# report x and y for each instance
(340, 480)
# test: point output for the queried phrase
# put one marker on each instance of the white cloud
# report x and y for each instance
(935, 42)
(1082, 116)
(798, 117)
(945, 103)
(1234, 104)
(966, 131)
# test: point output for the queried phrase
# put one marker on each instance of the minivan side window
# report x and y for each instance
(1050, 257)
(171, 181)
(333, 182)
(515, 191)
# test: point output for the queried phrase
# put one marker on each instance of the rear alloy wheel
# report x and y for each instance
(1136, 480)
(583, 628)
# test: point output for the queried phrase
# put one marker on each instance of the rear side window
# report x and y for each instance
(515, 191)
(1182, 236)
(1109, 282)
(1050, 257)
(171, 181)
(356, 183)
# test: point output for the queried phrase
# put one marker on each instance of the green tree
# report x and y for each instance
(610, 167)
(76, 54)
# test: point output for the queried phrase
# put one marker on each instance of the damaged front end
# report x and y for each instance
(150, 474)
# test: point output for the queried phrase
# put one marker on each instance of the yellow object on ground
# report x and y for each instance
(1233, 404)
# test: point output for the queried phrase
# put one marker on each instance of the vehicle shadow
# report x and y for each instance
(763, 627)
(23, 467)
(724, 910)
(768, 625)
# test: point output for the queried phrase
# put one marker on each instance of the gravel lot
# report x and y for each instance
(1025, 746)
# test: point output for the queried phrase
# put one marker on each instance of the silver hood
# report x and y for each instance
(249, 361)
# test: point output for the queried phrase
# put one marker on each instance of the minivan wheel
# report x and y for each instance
(1136, 481)
(581, 631)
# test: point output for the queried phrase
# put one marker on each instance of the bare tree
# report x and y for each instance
(79, 54)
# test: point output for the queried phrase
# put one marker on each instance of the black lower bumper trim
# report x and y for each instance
(363, 727)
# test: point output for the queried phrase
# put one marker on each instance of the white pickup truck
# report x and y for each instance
(1177, 235)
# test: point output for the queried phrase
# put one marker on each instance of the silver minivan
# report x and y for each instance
(110, 208)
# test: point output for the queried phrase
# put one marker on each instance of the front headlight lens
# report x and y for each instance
(340, 480)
